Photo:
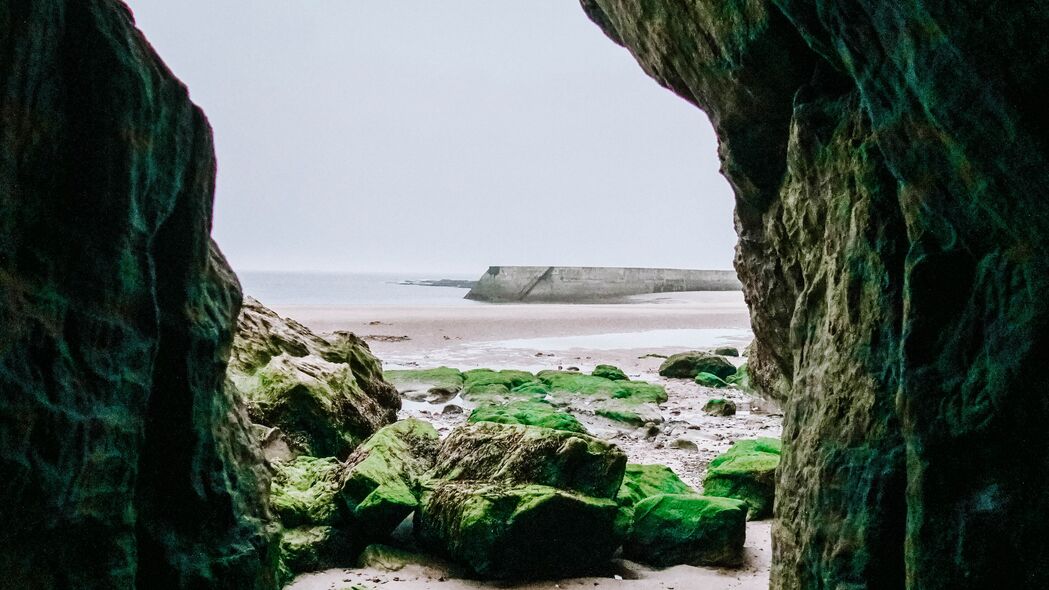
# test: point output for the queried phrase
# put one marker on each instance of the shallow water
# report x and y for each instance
(684, 338)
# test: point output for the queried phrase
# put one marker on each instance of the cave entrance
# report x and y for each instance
(387, 157)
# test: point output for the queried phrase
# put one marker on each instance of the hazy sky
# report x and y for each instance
(440, 136)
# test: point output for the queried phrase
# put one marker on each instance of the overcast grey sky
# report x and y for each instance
(399, 135)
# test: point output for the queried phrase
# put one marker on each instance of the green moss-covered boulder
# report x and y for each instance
(516, 454)
(305, 491)
(326, 394)
(630, 402)
(486, 381)
(686, 365)
(747, 472)
(672, 529)
(522, 501)
(610, 372)
(741, 378)
(571, 382)
(524, 531)
(432, 385)
(378, 484)
(710, 380)
(529, 413)
(645, 481)
(311, 548)
(720, 407)
(726, 351)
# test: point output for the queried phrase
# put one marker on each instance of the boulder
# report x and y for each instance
(686, 365)
(378, 485)
(514, 501)
(430, 385)
(741, 378)
(528, 413)
(486, 381)
(720, 407)
(312, 548)
(630, 402)
(726, 351)
(305, 492)
(747, 472)
(326, 394)
(610, 372)
(673, 529)
(645, 481)
(710, 380)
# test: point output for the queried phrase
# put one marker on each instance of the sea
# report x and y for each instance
(276, 288)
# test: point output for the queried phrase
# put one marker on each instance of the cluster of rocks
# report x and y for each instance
(520, 490)
(513, 501)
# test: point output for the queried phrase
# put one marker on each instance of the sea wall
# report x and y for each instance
(572, 284)
(889, 161)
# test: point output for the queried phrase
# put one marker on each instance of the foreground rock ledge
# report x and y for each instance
(889, 164)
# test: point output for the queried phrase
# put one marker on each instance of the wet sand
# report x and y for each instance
(631, 336)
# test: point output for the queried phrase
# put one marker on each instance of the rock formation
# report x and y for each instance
(889, 164)
(326, 393)
(125, 464)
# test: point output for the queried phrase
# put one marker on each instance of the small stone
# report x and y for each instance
(452, 410)
(684, 444)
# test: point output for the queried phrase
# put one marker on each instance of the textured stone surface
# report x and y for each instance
(522, 501)
(671, 529)
(125, 464)
(326, 393)
(687, 365)
(889, 164)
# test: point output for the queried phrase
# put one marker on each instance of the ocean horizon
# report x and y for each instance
(351, 288)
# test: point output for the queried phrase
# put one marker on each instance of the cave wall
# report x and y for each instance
(123, 464)
(889, 164)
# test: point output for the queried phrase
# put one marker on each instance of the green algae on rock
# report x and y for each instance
(631, 402)
(673, 529)
(610, 372)
(439, 384)
(720, 407)
(686, 365)
(522, 501)
(710, 380)
(516, 454)
(326, 394)
(747, 472)
(528, 413)
(741, 379)
(487, 381)
(644, 481)
(522, 531)
(313, 548)
(379, 480)
(305, 491)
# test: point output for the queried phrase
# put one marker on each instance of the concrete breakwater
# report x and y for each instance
(574, 284)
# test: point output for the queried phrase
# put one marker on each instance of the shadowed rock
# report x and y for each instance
(889, 164)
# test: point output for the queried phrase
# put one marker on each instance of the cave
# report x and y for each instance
(888, 161)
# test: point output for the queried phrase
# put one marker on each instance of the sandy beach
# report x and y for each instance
(634, 336)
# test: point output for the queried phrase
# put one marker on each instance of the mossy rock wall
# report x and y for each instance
(889, 161)
(125, 462)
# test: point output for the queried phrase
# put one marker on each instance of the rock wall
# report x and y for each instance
(573, 284)
(889, 163)
(124, 464)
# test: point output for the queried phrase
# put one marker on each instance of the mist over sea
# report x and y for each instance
(322, 288)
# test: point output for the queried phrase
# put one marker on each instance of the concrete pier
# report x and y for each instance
(579, 284)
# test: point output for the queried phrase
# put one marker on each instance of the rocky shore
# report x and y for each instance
(462, 476)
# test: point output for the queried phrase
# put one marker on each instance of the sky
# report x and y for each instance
(412, 135)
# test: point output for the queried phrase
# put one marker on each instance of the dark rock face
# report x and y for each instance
(889, 163)
(124, 463)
